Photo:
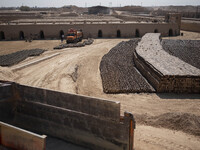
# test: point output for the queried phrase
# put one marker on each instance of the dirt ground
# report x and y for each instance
(76, 70)
(7, 47)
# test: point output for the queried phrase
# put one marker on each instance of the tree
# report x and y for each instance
(24, 8)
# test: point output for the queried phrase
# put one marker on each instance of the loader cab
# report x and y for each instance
(70, 34)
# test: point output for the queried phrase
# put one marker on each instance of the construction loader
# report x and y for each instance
(74, 36)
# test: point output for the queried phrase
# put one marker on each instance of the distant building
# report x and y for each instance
(174, 18)
(99, 10)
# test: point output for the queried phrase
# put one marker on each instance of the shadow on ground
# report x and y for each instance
(178, 96)
(57, 144)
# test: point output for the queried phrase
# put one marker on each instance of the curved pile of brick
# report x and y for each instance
(186, 50)
(165, 72)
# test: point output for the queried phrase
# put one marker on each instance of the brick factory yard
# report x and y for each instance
(76, 70)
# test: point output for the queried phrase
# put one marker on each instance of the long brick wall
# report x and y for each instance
(193, 26)
(108, 30)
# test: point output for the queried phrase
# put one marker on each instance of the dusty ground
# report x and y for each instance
(76, 70)
(8, 47)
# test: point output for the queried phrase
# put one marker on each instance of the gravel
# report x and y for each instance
(118, 71)
(14, 58)
(86, 42)
(186, 50)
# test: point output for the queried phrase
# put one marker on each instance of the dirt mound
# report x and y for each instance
(185, 122)
(6, 74)
(118, 71)
(14, 58)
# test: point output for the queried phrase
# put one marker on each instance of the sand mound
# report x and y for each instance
(185, 122)
(6, 74)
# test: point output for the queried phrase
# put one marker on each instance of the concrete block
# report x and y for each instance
(84, 104)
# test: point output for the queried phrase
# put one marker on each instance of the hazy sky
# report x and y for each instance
(88, 3)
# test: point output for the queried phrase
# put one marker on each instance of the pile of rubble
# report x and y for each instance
(86, 42)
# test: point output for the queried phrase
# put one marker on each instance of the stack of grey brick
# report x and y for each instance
(165, 72)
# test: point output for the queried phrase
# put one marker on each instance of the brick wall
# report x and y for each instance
(190, 26)
(109, 30)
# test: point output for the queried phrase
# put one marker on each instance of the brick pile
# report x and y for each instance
(118, 71)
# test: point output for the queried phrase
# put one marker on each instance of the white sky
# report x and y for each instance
(88, 3)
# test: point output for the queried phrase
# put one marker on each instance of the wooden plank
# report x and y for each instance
(16, 138)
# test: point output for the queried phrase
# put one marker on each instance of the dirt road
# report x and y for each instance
(76, 70)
